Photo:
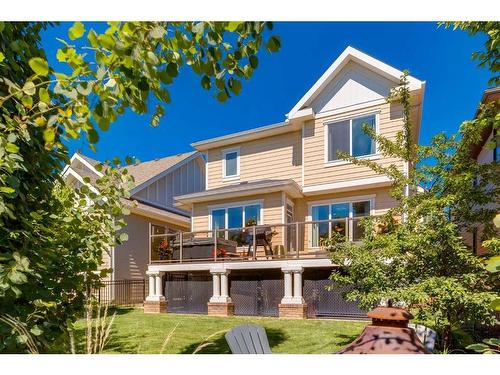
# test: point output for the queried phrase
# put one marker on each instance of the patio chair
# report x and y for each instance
(426, 335)
(248, 339)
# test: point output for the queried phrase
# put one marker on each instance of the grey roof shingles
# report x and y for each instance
(144, 171)
(148, 169)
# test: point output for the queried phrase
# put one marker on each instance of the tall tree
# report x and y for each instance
(422, 262)
(51, 240)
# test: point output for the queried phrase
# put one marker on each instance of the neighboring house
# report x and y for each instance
(283, 189)
(156, 182)
(484, 155)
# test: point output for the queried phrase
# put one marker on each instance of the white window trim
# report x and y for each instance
(224, 153)
(329, 202)
(375, 156)
(233, 205)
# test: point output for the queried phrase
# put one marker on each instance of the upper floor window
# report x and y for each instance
(230, 163)
(348, 136)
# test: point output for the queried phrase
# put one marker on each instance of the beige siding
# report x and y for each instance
(132, 257)
(277, 157)
(316, 171)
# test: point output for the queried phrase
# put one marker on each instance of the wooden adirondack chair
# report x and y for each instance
(426, 335)
(248, 339)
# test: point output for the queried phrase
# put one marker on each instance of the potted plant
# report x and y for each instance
(164, 251)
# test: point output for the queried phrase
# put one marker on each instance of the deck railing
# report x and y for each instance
(297, 240)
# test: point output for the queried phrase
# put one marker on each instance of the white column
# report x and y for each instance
(215, 287)
(297, 287)
(151, 285)
(287, 298)
(293, 284)
(224, 287)
(158, 288)
(155, 293)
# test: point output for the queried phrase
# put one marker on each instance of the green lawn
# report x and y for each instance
(136, 332)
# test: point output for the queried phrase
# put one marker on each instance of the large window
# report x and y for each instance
(230, 163)
(235, 217)
(348, 136)
(161, 238)
(342, 218)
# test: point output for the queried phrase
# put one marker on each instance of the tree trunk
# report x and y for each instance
(447, 337)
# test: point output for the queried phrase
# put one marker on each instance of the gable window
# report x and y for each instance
(343, 218)
(348, 136)
(230, 163)
(235, 217)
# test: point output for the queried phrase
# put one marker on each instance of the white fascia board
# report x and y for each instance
(247, 135)
(420, 113)
(168, 217)
(156, 177)
(361, 58)
(86, 163)
(303, 114)
(363, 183)
(72, 172)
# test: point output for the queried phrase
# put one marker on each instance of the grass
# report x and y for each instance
(136, 332)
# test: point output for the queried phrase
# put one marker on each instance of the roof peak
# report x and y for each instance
(351, 54)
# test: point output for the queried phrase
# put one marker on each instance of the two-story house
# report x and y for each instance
(272, 195)
(152, 210)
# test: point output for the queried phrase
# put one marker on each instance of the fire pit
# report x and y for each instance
(388, 334)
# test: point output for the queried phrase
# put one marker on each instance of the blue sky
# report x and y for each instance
(440, 57)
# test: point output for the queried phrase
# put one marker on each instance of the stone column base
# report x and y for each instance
(220, 308)
(155, 307)
(292, 310)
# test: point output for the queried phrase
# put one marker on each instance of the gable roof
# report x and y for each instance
(142, 172)
(350, 54)
(89, 160)
(302, 111)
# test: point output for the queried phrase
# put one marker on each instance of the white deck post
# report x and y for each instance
(224, 287)
(287, 298)
(151, 285)
(215, 287)
(158, 288)
(293, 284)
(155, 293)
(297, 287)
